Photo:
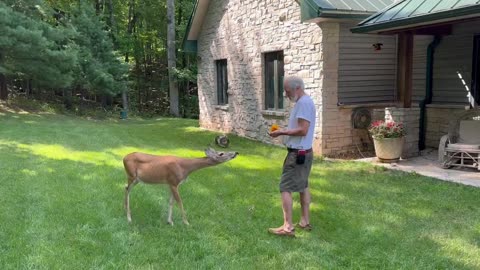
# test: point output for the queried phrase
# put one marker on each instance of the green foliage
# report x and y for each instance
(31, 8)
(33, 49)
(101, 71)
(79, 47)
(186, 74)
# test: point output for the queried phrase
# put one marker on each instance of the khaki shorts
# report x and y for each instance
(295, 176)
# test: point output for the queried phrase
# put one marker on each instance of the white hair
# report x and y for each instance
(293, 82)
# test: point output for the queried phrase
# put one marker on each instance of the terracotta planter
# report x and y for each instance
(389, 149)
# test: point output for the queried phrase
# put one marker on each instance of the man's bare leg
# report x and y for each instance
(305, 200)
(287, 205)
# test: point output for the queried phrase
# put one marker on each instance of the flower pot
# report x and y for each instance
(388, 149)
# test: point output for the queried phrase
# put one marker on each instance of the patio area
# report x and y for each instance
(427, 164)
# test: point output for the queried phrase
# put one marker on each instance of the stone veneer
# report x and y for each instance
(439, 119)
(241, 32)
(410, 117)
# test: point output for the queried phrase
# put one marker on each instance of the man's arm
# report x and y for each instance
(301, 130)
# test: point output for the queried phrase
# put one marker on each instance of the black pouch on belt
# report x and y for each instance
(301, 156)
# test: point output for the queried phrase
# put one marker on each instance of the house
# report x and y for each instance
(245, 48)
(438, 66)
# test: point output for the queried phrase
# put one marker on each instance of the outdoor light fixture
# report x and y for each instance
(377, 46)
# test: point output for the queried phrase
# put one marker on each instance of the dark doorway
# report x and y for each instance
(475, 89)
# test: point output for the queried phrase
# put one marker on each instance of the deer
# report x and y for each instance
(169, 170)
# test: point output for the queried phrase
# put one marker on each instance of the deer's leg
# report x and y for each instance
(128, 188)
(170, 209)
(176, 195)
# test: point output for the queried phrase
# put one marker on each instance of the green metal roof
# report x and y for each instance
(412, 13)
(340, 9)
(360, 5)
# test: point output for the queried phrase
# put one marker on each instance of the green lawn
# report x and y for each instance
(61, 205)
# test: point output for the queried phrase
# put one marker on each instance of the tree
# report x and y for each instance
(89, 41)
(172, 60)
(100, 70)
(32, 49)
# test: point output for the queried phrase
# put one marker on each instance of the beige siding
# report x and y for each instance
(420, 67)
(365, 75)
(453, 65)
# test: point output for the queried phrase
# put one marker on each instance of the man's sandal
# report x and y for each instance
(306, 227)
(281, 232)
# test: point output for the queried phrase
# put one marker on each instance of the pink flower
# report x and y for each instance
(381, 129)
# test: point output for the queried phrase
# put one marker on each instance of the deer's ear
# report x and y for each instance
(209, 151)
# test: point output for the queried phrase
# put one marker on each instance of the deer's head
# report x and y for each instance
(218, 156)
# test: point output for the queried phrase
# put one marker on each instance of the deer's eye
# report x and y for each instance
(221, 154)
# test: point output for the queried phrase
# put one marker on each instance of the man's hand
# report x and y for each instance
(276, 133)
(301, 130)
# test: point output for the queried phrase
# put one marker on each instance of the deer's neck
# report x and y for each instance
(191, 165)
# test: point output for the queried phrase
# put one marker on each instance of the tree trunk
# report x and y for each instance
(113, 26)
(106, 101)
(174, 110)
(99, 6)
(3, 83)
(131, 23)
(67, 99)
(29, 87)
(3, 87)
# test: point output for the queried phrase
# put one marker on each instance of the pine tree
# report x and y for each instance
(33, 49)
(100, 70)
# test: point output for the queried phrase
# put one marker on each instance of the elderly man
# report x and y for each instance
(298, 162)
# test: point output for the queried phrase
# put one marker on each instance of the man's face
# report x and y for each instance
(289, 92)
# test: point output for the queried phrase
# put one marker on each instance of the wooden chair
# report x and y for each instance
(461, 146)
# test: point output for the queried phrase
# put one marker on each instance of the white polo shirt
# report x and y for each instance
(305, 109)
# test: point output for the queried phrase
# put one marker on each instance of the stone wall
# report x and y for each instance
(241, 32)
(439, 119)
(333, 124)
(410, 117)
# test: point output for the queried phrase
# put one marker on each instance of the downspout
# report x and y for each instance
(428, 90)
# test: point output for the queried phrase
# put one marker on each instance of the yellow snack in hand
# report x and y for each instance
(274, 127)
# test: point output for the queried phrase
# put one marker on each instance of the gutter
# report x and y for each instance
(343, 14)
(428, 90)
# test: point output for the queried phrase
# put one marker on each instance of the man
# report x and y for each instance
(298, 163)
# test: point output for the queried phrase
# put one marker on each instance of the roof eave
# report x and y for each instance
(343, 14)
(194, 25)
(311, 12)
(442, 17)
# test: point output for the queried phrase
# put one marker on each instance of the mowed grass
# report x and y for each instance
(61, 205)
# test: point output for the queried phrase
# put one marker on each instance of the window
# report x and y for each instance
(222, 82)
(475, 89)
(274, 80)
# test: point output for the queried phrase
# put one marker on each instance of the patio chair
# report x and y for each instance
(461, 146)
